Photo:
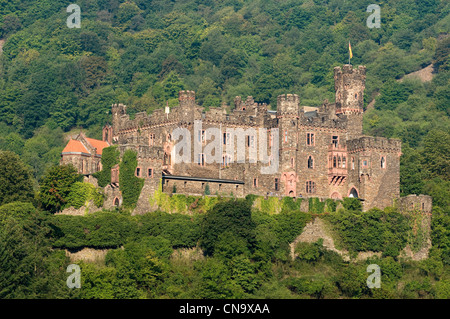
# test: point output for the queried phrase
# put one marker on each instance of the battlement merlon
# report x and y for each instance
(380, 143)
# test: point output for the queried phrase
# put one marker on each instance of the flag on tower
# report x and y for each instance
(350, 50)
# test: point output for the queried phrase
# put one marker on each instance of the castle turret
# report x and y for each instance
(349, 85)
(117, 110)
(288, 115)
(186, 100)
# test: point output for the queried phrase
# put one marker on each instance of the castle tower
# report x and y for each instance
(349, 85)
(117, 110)
(107, 133)
(288, 115)
(186, 100)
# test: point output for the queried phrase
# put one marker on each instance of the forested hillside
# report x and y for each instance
(56, 81)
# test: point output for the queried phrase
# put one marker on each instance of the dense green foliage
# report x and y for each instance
(15, 179)
(246, 254)
(130, 184)
(56, 186)
(374, 230)
(81, 193)
(110, 157)
(228, 226)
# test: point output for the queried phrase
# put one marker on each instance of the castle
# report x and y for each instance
(321, 150)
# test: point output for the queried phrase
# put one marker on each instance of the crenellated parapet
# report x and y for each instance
(374, 143)
(288, 105)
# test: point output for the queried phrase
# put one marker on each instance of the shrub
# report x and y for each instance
(56, 186)
(81, 193)
(232, 216)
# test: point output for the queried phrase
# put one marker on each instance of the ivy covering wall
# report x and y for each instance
(110, 157)
(130, 185)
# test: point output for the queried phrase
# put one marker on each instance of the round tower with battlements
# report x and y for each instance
(349, 84)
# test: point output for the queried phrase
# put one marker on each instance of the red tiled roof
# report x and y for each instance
(75, 146)
(99, 145)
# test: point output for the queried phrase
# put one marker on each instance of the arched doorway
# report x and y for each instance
(290, 180)
(336, 196)
(353, 193)
(116, 202)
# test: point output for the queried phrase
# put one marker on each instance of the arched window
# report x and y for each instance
(343, 162)
(383, 162)
(310, 162)
(334, 161)
(353, 193)
(339, 161)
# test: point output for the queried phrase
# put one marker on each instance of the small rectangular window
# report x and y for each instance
(276, 184)
(335, 141)
(309, 139)
(138, 172)
(150, 172)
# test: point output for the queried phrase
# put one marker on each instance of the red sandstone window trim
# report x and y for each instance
(335, 140)
(255, 182)
(310, 162)
(310, 187)
(310, 139)
(138, 171)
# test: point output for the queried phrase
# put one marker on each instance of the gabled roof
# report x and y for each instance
(99, 145)
(75, 146)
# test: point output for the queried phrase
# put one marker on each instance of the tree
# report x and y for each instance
(56, 185)
(232, 216)
(15, 179)
(436, 154)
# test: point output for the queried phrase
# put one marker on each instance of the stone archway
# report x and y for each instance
(353, 193)
(335, 195)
